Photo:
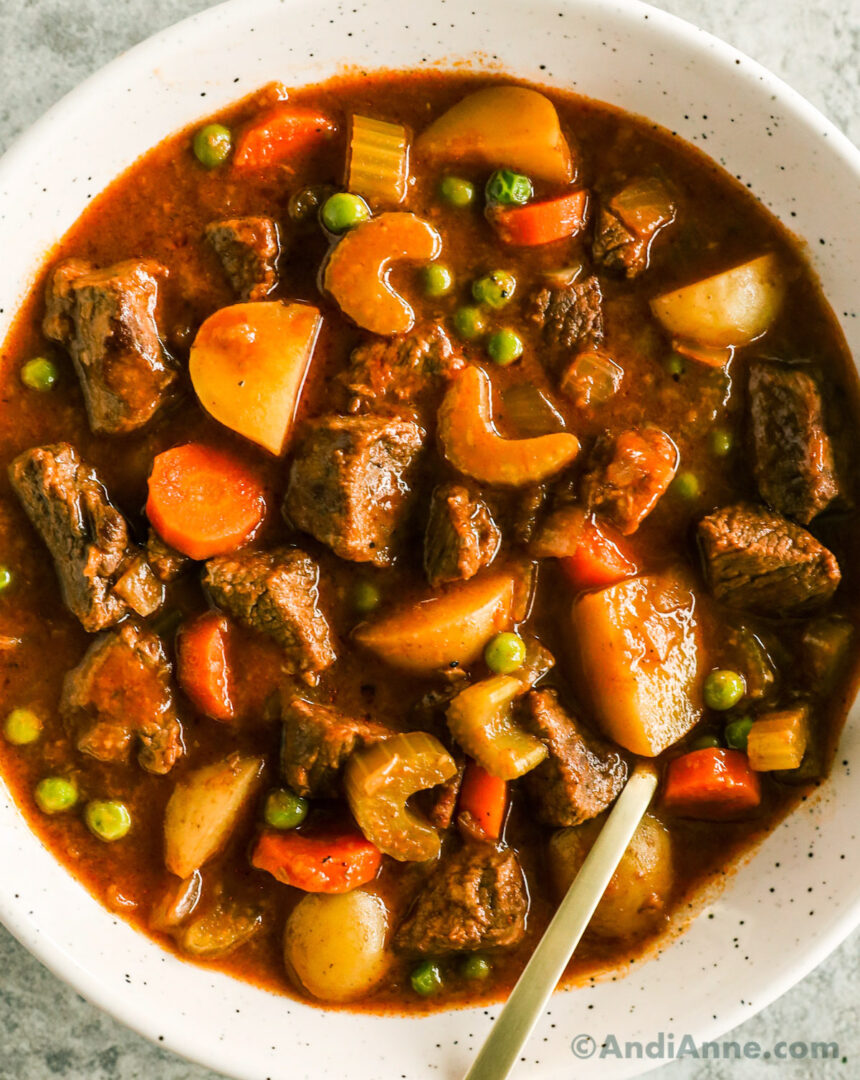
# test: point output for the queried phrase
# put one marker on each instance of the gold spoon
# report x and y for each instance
(540, 977)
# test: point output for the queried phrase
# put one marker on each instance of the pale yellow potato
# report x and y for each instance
(731, 308)
(502, 126)
(640, 645)
(336, 945)
(248, 365)
(450, 628)
(636, 896)
(203, 811)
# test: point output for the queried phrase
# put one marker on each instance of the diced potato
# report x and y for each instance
(778, 740)
(639, 645)
(248, 364)
(203, 810)
(335, 947)
(502, 126)
(472, 445)
(219, 931)
(446, 630)
(637, 893)
(356, 273)
(732, 308)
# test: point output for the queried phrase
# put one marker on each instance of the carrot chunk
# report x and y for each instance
(711, 784)
(202, 666)
(598, 560)
(541, 222)
(318, 862)
(203, 502)
(280, 133)
(483, 801)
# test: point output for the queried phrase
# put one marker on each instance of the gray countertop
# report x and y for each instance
(46, 48)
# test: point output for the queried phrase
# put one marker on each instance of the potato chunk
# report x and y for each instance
(639, 644)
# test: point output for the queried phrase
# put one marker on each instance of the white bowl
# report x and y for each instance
(767, 930)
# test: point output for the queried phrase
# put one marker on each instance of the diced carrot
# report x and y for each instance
(711, 784)
(483, 801)
(318, 862)
(599, 560)
(279, 133)
(541, 222)
(203, 502)
(202, 666)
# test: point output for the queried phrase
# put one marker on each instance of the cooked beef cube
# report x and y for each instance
(630, 473)
(276, 593)
(139, 586)
(461, 535)
(445, 795)
(757, 560)
(474, 899)
(571, 316)
(106, 321)
(350, 483)
(167, 563)
(119, 696)
(248, 248)
(582, 776)
(317, 741)
(793, 456)
(87, 537)
(628, 222)
(402, 369)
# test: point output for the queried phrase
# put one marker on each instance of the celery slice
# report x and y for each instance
(378, 160)
(480, 720)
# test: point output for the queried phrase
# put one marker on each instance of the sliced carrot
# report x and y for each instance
(599, 560)
(711, 784)
(541, 222)
(280, 133)
(203, 502)
(202, 666)
(318, 862)
(483, 801)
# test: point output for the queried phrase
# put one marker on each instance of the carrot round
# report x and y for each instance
(711, 784)
(598, 560)
(319, 862)
(541, 222)
(280, 133)
(483, 801)
(203, 502)
(202, 666)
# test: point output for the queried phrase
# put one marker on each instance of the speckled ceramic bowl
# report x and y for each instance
(800, 894)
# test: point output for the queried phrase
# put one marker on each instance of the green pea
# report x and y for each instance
(494, 289)
(476, 967)
(39, 374)
(22, 726)
(686, 485)
(426, 979)
(55, 794)
(438, 280)
(720, 442)
(457, 192)
(344, 211)
(212, 145)
(675, 365)
(706, 742)
(737, 732)
(508, 188)
(5, 578)
(505, 347)
(723, 689)
(284, 809)
(469, 322)
(505, 653)
(108, 820)
(366, 597)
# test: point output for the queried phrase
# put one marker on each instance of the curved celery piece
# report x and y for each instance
(480, 720)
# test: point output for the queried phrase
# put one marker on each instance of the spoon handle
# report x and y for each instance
(540, 976)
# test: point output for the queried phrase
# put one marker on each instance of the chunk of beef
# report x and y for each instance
(629, 474)
(400, 370)
(248, 248)
(87, 537)
(350, 483)
(167, 563)
(119, 696)
(139, 586)
(106, 321)
(582, 776)
(571, 316)
(627, 223)
(445, 795)
(793, 456)
(317, 741)
(474, 899)
(758, 561)
(275, 592)
(461, 535)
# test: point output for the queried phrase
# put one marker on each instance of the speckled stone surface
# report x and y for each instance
(46, 48)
